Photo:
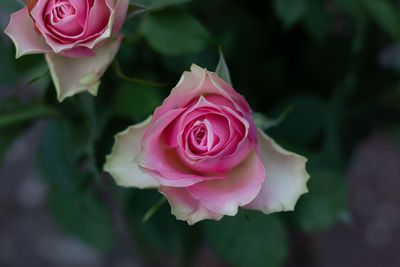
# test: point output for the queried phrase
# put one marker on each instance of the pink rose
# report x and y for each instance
(80, 38)
(202, 150)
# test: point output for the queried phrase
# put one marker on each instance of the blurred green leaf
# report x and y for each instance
(354, 10)
(386, 15)
(222, 69)
(326, 202)
(317, 21)
(84, 216)
(261, 241)
(160, 3)
(174, 32)
(137, 101)
(290, 11)
(57, 158)
(11, 5)
(8, 73)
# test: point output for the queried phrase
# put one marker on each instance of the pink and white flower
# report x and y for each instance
(79, 37)
(202, 150)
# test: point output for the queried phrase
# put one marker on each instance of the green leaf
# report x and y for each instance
(160, 3)
(137, 101)
(222, 69)
(57, 158)
(326, 202)
(8, 73)
(317, 21)
(174, 33)
(290, 11)
(261, 241)
(83, 216)
(386, 15)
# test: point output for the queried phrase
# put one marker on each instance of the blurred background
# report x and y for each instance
(324, 73)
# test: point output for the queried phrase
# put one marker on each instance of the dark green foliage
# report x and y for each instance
(334, 64)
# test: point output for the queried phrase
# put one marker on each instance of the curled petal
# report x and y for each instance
(21, 30)
(185, 207)
(121, 8)
(75, 75)
(122, 165)
(224, 196)
(198, 82)
(286, 177)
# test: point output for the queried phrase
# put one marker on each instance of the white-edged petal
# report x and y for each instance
(286, 177)
(122, 162)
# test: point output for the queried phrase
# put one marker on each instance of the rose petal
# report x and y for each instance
(198, 82)
(240, 188)
(286, 177)
(121, 8)
(185, 207)
(85, 38)
(21, 30)
(75, 75)
(162, 162)
(121, 163)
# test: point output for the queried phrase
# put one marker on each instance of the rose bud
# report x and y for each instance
(79, 37)
(202, 150)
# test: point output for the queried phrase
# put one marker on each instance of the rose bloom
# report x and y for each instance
(80, 39)
(202, 150)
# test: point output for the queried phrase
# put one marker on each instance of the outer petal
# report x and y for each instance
(198, 82)
(242, 186)
(21, 30)
(75, 75)
(122, 165)
(121, 8)
(286, 177)
(185, 207)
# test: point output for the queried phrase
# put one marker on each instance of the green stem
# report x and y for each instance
(153, 209)
(39, 77)
(121, 75)
(25, 115)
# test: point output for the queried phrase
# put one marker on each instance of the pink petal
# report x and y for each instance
(240, 188)
(185, 207)
(21, 30)
(162, 162)
(199, 82)
(121, 8)
(121, 163)
(286, 177)
(75, 75)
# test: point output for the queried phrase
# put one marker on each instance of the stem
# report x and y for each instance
(153, 209)
(27, 114)
(39, 77)
(121, 75)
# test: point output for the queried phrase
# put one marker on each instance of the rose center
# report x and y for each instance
(62, 10)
